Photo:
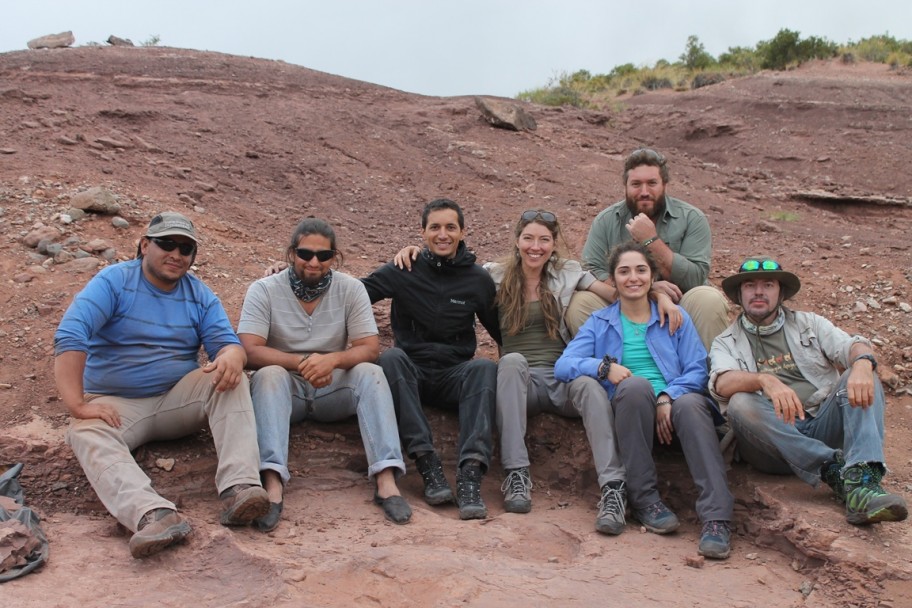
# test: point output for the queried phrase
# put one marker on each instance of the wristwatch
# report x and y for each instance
(869, 358)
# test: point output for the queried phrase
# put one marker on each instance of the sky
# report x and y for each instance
(454, 47)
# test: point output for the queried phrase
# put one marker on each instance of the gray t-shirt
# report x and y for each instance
(272, 311)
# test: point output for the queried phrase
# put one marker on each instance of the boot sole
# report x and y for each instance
(473, 512)
(439, 499)
(517, 506)
(150, 545)
(887, 513)
(247, 509)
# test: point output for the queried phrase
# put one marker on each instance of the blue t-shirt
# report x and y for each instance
(139, 340)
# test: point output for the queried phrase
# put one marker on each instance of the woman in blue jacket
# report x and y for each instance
(654, 381)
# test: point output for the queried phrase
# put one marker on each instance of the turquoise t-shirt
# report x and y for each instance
(637, 357)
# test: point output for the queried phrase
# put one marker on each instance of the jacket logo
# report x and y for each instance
(455, 301)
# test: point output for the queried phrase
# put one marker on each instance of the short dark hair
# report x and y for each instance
(615, 257)
(437, 205)
(649, 157)
(312, 225)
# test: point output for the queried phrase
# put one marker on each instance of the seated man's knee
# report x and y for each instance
(271, 376)
(634, 384)
(582, 305)
(746, 408)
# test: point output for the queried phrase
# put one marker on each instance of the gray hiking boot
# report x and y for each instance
(611, 508)
(517, 490)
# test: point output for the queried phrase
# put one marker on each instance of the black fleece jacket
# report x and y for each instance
(435, 305)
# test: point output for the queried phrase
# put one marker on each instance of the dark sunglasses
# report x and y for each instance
(754, 265)
(185, 249)
(532, 214)
(307, 255)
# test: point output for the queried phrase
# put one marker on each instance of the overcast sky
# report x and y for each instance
(454, 47)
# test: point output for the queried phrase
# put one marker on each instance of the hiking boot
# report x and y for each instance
(715, 540)
(517, 490)
(468, 492)
(866, 501)
(611, 508)
(436, 487)
(657, 518)
(158, 528)
(831, 474)
(243, 504)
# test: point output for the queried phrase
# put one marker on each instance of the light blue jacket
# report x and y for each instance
(681, 358)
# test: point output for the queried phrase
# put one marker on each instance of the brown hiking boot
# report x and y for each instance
(158, 528)
(243, 503)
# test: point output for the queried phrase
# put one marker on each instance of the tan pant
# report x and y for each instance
(104, 451)
(707, 307)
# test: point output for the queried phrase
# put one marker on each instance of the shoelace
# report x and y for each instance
(716, 528)
(517, 482)
(434, 476)
(612, 502)
(470, 488)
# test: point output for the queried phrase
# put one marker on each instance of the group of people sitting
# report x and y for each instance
(619, 341)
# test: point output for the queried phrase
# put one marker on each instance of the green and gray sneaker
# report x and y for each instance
(866, 501)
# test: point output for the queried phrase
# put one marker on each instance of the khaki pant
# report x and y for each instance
(707, 307)
(104, 451)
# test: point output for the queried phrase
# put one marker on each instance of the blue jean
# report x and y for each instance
(773, 446)
(282, 398)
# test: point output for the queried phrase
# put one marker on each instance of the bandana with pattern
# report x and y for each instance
(764, 330)
(309, 293)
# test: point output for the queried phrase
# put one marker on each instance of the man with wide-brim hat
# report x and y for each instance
(778, 372)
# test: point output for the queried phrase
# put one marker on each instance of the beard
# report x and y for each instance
(658, 207)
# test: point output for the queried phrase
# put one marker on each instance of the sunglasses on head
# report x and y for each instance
(164, 244)
(532, 214)
(323, 255)
(754, 265)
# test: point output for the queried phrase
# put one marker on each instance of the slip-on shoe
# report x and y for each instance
(394, 508)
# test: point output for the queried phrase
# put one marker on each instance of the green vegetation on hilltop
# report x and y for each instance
(697, 68)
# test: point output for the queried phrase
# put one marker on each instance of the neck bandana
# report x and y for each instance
(309, 293)
(764, 330)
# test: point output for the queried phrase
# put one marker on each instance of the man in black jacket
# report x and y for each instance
(433, 321)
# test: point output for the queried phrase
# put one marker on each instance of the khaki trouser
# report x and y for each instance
(104, 451)
(707, 307)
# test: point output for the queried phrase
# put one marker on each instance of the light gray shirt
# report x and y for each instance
(272, 311)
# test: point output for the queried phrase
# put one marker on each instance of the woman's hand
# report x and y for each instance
(618, 373)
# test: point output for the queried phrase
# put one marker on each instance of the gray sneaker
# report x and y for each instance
(517, 490)
(611, 508)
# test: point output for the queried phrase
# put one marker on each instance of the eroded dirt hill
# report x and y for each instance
(808, 165)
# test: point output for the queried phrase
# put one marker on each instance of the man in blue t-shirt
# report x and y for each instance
(127, 370)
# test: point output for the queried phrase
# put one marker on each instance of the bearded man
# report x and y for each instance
(791, 405)
(675, 233)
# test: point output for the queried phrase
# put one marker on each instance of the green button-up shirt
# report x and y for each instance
(682, 227)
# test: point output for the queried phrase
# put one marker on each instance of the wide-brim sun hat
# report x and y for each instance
(757, 268)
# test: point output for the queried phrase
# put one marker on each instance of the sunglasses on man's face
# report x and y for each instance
(754, 265)
(532, 214)
(323, 255)
(186, 249)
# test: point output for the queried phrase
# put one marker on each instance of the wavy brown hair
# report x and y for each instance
(511, 296)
